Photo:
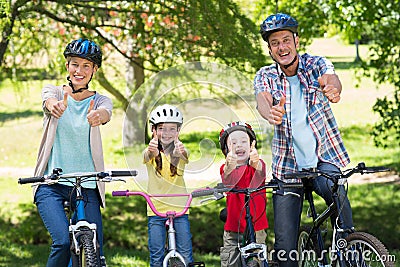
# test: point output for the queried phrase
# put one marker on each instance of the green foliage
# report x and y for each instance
(387, 131)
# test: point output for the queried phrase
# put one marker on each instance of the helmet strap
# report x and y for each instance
(80, 89)
(291, 63)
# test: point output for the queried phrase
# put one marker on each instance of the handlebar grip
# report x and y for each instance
(119, 193)
(31, 180)
(202, 193)
(375, 169)
(300, 175)
(124, 173)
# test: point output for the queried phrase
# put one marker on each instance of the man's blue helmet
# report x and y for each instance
(277, 22)
(86, 49)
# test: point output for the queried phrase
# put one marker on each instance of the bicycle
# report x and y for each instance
(348, 247)
(173, 258)
(252, 253)
(83, 240)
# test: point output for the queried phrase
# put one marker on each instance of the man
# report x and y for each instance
(294, 95)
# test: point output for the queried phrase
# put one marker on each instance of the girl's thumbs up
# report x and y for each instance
(155, 134)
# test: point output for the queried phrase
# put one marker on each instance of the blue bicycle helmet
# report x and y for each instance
(277, 22)
(86, 49)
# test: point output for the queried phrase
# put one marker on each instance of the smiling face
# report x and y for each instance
(80, 71)
(239, 143)
(167, 132)
(283, 49)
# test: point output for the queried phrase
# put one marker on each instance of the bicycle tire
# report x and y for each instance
(175, 262)
(307, 251)
(364, 248)
(252, 263)
(88, 256)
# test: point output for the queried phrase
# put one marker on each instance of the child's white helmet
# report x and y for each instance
(166, 113)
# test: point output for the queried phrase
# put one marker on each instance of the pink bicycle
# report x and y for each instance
(173, 258)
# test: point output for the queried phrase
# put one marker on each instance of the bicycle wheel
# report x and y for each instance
(88, 256)
(307, 247)
(175, 262)
(253, 263)
(363, 249)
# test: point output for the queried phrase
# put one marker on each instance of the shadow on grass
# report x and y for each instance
(5, 116)
(375, 210)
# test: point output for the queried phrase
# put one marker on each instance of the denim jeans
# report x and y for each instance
(49, 200)
(157, 232)
(287, 213)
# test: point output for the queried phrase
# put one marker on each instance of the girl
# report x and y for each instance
(165, 159)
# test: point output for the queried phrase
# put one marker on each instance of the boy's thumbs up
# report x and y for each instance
(91, 105)
(253, 145)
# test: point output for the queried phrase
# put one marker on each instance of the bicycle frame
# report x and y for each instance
(170, 215)
(347, 245)
(83, 236)
(251, 248)
(81, 225)
(318, 220)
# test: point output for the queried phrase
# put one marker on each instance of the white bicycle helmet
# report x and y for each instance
(166, 113)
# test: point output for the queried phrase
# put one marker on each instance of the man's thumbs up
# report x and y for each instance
(322, 82)
(282, 102)
(277, 112)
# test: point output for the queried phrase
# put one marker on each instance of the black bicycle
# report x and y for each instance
(252, 253)
(83, 238)
(348, 247)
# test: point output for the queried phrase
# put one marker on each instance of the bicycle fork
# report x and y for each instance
(172, 253)
(81, 226)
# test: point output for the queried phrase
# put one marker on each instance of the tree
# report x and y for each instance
(355, 19)
(380, 20)
(148, 36)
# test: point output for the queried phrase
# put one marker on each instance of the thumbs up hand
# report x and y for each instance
(94, 116)
(331, 87)
(254, 158)
(277, 112)
(230, 162)
(55, 107)
(153, 145)
(179, 149)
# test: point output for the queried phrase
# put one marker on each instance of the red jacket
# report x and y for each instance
(243, 177)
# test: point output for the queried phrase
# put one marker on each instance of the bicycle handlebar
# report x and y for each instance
(148, 198)
(221, 188)
(102, 176)
(31, 180)
(313, 173)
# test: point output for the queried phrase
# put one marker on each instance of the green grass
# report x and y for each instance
(24, 241)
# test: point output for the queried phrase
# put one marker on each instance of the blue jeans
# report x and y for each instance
(287, 214)
(157, 232)
(49, 200)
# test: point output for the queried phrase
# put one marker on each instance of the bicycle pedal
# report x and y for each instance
(197, 263)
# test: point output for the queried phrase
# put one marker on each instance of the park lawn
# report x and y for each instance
(21, 127)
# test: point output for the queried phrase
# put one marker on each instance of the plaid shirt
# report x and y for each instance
(330, 146)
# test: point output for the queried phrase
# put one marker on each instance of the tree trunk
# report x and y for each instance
(135, 130)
